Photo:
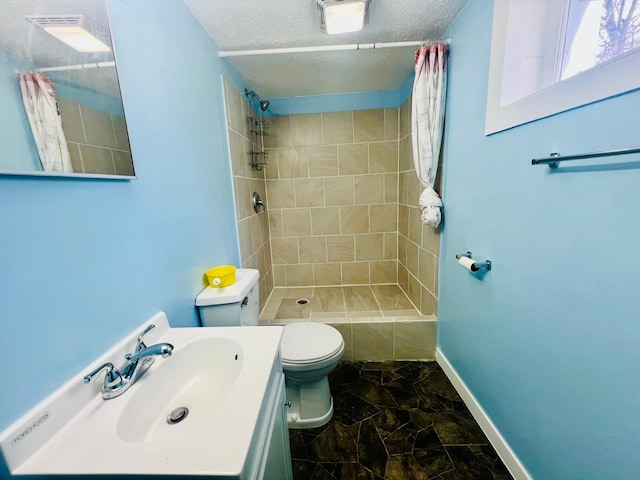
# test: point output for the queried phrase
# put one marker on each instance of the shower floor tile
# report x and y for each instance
(337, 302)
(395, 420)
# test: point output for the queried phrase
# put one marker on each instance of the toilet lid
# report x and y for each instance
(307, 342)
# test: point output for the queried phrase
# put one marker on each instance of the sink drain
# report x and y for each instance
(178, 415)
(302, 301)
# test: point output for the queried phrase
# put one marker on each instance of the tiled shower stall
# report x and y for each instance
(341, 217)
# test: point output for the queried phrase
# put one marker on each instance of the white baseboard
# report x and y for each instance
(498, 442)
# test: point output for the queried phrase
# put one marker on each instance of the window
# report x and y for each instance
(548, 56)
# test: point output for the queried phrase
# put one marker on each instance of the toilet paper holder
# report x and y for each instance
(475, 266)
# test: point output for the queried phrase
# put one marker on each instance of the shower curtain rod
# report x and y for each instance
(329, 48)
(80, 66)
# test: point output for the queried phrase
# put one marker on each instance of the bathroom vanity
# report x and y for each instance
(214, 408)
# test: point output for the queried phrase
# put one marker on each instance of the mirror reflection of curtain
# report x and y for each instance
(427, 122)
(38, 96)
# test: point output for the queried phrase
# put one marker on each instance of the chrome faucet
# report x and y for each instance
(118, 381)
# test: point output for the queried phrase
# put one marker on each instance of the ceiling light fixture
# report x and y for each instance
(343, 16)
(77, 31)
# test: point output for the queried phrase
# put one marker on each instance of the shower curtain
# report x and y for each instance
(427, 122)
(38, 96)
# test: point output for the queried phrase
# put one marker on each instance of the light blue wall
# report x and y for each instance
(548, 341)
(85, 262)
(341, 102)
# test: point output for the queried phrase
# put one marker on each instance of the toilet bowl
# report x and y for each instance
(309, 352)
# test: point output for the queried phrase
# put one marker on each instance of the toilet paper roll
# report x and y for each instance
(468, 263)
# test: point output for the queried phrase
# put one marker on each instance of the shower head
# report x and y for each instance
(251, 96)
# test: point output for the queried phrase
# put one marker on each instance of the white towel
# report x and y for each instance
(429, 205)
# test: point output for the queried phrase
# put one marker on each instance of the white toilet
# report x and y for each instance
(309, 351)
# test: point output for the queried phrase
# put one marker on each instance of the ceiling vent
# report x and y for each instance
(77, 31)
(343, 16)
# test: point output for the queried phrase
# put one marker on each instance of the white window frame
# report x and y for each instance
(619, 75)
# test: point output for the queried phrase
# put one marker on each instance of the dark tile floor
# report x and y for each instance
(395, 420)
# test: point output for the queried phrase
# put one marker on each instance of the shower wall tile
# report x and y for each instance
(325, 221)
(279, 275)
(299, 274)
(284, 250)
(415, 340)
(431, 240)
(337, 128)
(368, 125)
(406, 154)
(383, 157)
(235, 113)
(370, 247)
(275, 223)
(279, 132)
(332, 193)
(327, 274)
(391, 246)
(355, 273)
(312, 249)
(373, 341)
(322, 161)
(391, 123)
(292, 163)
(306, 129)
(391, 188)
(338, 191)
(254, 229)
(353, 159)
(271, 169)
(237, 149)
(296, 222)
(354, 219)
(368, 189)
(418, 244)
(384, 218)
(383, 272)
(428, 302)
(405, 118)
(415, 225)
(280, 194)
(309, 192)
(341, 248)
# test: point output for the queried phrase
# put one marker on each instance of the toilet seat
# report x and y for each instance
(308, 342)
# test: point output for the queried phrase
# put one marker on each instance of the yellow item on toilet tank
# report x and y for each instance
(221, 276)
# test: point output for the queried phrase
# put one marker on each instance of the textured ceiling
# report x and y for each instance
(260, 24)
(255, 24)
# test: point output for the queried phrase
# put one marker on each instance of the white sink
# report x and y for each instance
(196, 378)
(221, 375)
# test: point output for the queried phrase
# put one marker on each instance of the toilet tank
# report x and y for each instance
(235, 305)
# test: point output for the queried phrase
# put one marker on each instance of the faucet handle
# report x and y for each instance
(112, 375)
(141, 345)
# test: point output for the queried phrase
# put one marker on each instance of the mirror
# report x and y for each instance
(61, 108)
